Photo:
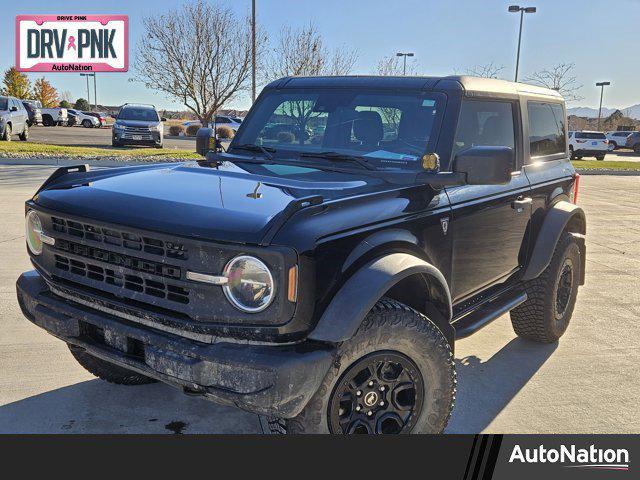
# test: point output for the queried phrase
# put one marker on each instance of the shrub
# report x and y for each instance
(224, 132)
(193, 129)
(176, 130)
(286, 137)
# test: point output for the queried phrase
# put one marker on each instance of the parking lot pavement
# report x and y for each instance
(586, 383)
(94, 137)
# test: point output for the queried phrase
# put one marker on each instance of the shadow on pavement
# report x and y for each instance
(96, 406)
(485, 388)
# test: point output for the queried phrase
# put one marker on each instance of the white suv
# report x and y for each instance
(618, 139)
(588, 144)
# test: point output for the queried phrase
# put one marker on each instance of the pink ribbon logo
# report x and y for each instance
(72, 43)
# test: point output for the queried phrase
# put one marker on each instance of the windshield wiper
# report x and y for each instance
(340, 157)
(266, 151)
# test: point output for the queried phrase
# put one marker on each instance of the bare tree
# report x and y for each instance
(560, 78)
(392, 66)
(199, 54)
(487, 70)
(303, 53)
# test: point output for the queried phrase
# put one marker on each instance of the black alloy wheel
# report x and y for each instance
(564, 288)
(381, 393)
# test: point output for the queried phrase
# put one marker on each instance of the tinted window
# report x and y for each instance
(222, 120)
(591, 135)
(546, 129)
(484, 124)
(141, 114)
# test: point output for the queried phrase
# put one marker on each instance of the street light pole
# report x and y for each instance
(253, 50)
(87, 77)
(522, 10)
(95, 89)
(404, 64)
(601, 85)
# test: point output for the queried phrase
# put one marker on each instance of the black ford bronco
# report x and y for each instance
(319, 271)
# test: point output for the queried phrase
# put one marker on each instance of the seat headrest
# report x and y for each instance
(368, 128)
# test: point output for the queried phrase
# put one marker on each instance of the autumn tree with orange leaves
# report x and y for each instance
(44, 91)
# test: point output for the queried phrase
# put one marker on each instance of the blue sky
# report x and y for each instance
(601, 38)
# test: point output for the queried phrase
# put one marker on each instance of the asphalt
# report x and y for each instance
(588, 382)
(79, 136)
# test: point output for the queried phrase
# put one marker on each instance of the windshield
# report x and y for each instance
(389, 130)
(141, 114)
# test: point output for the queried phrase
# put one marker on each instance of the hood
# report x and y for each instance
(138, 123)
(228, 203)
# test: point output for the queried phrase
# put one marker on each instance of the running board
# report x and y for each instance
(487, 313)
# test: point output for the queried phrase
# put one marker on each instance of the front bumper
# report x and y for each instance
(146, 138)
(269, 380)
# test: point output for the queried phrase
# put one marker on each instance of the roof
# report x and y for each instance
(466, 83)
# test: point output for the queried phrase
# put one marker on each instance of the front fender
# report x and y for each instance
(359, 294)
(560, 216)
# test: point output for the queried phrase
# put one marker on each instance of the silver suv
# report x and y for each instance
(13, 119)
(137, 125)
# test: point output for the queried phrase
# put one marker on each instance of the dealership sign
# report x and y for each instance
(72, 43)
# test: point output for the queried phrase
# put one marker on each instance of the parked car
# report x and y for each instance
(138, 125)
(588, 144)
(34, 111)
(101, 116)
(633, 142)
(321, 286)
(220, 120)
(54, 116)
(618, 138)
(87, 121)
(14, 119)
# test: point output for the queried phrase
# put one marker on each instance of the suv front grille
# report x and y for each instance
(134, 283)
(118, 238)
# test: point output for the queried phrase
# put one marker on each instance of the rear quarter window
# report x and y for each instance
(546, 129)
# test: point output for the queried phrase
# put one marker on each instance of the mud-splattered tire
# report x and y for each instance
(395, 329)
(107, 371)
(545, 316)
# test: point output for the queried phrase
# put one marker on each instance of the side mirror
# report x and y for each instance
(485, 165)
(163, 119)
(13, 109)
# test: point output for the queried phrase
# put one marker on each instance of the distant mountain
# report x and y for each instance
(632, 111)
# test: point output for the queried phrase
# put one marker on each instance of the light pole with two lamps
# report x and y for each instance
(522, 10)
(404, 65)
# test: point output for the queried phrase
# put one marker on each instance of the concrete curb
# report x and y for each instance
(67, 162)
(617, 173)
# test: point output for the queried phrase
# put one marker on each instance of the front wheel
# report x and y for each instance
(395, 375)
(107, 371)
(87, 124)
(6, 136)
(551, 297)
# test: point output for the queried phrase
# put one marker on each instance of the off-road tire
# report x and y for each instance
(24, 136)
(107, 371)
(6, 135)
(536, 318)
(389, 326)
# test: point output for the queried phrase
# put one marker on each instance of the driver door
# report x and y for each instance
(489, 222)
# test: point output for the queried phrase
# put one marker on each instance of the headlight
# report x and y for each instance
(155, 128)
(34, 232)
(117, 126)
(250, 286)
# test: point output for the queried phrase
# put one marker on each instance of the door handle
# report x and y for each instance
(519, 203)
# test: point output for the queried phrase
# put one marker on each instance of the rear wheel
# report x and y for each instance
(395, 375)
(545, 316)
(24, 136)
(600, 157)
(47, 121)
(108, 371)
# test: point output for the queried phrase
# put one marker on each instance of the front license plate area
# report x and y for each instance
(137, 137)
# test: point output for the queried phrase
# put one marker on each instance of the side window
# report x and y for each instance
(294, 121)
(485, 123)
(546, 129)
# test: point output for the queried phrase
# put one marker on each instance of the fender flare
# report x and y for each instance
(348, 308)
(559, 216)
